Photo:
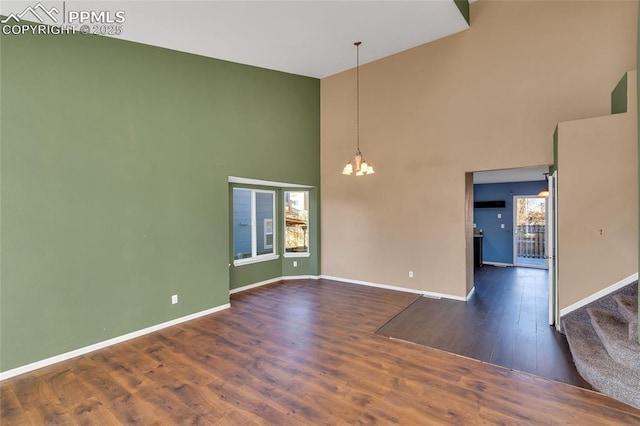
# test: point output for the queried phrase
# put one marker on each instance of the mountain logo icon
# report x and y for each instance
(36, 11)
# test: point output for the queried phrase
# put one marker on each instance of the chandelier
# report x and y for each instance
(358, 164)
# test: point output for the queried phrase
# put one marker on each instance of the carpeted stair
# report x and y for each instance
(628, 307)
(603, 338)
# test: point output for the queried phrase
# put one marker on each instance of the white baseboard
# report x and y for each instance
(300, 277)
(81, 351)
(271, 281)
(350, 281)
(396, 288)
(595, 296)
(500, 264)
(254, 285)
(473, 290)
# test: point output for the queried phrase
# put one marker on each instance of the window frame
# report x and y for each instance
(286, 253)
(255, 257)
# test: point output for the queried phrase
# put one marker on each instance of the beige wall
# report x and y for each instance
(487, 98)
(597, 190)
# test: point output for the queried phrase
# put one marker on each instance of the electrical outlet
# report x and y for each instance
(410, 274)
(502, 225)
(174, 299)
(295, 263)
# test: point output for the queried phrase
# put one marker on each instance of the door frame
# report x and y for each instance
(515, 232)
(552, 249)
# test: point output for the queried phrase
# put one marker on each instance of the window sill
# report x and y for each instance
(248, 261)
(296, 254)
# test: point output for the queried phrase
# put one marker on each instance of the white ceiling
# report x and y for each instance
(511, 175)
(310, 38)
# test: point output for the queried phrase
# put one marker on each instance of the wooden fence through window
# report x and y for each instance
(531, 241)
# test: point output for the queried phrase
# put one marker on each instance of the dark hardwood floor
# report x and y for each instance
(299, 352)
(505, 323)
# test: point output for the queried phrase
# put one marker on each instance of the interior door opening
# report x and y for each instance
(543, 216)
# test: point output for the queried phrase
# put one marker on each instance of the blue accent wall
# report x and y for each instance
(498, 242)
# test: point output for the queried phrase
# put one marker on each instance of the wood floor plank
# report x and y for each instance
(11, 411)
(39, 402)
(124, 374)
(299, 352)
(66, 387)
(91, 411)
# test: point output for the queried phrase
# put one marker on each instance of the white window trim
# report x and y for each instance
(255, 257)
(259, 182)
(296, 254)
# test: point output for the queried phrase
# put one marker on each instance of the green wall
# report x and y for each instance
(619, 97)
(115, 159)
(463, 5)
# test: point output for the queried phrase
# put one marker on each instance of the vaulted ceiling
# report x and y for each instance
(310, 38)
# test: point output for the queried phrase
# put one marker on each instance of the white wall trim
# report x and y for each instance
(396, 288)
(471, 292)
(595, 296)
(271, 281)
(300, 277)
(100, 345)
(500, 264)
(254, 285)
(259, 182)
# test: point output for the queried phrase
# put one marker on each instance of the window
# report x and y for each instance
(296, 220)
(253, 227)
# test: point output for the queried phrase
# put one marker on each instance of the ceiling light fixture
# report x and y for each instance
(358, 164)
(545, 192)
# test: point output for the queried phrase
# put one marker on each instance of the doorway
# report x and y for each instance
(500, 243)
(530, 231)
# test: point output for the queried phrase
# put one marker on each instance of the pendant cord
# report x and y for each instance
(358, 95)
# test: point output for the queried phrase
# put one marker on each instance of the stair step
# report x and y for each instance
(614, 334)
(598, 368)
(628, 307)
